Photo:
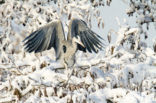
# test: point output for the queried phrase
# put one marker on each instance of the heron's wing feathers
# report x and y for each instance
(45, 38)
(91, 41)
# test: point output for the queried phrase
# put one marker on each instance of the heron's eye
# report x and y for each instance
(64, 48)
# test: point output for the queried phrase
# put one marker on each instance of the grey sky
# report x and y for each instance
(118, 9)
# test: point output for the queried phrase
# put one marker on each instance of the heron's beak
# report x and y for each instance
(77, 40)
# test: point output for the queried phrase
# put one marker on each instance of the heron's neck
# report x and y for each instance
(74, 43)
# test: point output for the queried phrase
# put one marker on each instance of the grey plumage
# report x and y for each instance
(80, 37)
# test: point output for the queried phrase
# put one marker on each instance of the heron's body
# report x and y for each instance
(67, 54)
(79, 37)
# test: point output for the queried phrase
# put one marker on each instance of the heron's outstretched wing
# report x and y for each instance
(90, 40)
(45, 38)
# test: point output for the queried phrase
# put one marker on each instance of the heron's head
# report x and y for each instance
(78, 41)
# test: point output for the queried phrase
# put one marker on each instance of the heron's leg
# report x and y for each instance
(65, 66)
(69, 75)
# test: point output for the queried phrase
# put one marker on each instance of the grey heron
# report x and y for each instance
(52, 35)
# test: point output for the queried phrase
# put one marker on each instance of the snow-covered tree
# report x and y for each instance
(123, 72)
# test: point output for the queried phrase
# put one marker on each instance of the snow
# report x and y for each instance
(117, 74)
